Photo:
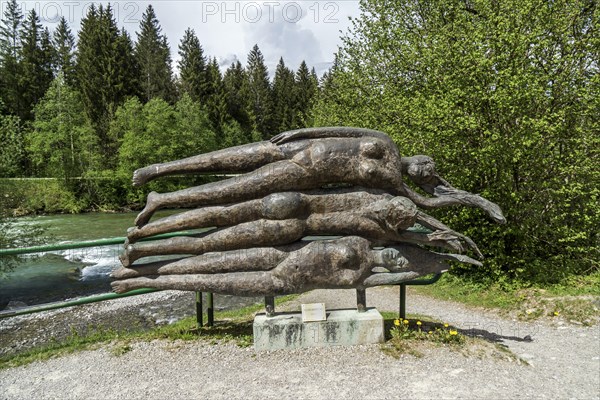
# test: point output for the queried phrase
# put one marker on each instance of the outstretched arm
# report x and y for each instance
(329, 132)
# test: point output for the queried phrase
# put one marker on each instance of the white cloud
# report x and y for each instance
(294, 30)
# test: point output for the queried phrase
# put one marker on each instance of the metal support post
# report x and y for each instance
(199, 312)
(361, 300)
(210, 311)
(402, 301)
(270, 306)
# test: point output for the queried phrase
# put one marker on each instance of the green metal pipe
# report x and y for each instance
(76, 302)
(80, 245)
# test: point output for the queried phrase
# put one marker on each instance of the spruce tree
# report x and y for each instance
(235, 82)
(305, 89)
(103, 65)
(260, 93)
(10, 53)
(64, 45)
(192, 67)
(215, 100)
(154, 59)
(283, 98)
(36, 69)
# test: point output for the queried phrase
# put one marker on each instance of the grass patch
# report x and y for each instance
(417, 333)
(230, 326)
(575, 300)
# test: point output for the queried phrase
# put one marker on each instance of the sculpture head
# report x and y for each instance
(392, 260)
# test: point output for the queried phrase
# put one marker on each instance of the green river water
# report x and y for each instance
(66, 274)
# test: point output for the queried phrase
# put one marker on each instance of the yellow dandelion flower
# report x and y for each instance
(397, 322)
(445, 325)
(453, 333)
(429, 333)
(556, 313)
(405, 322)
(419, 323)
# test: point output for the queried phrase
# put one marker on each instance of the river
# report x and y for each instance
(59, 275)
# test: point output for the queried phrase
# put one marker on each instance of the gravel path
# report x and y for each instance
(564, 362)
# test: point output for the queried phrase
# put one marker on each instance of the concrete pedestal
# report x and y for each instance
(342, 327)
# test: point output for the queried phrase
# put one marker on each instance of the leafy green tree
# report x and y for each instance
(154, 60)
(504, 96)
(192, 66)
(259, 89)
(64, 43)
(62, 142)
(10, 57)
(284, 108)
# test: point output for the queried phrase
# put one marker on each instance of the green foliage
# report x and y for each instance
(62, 143)
(504, 96)
(12, 150)
(237, 97)
(158, 132)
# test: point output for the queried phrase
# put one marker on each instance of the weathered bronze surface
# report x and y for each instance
(281, 197)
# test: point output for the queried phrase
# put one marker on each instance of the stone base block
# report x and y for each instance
(342, 327)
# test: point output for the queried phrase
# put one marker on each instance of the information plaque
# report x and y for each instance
(313, 312)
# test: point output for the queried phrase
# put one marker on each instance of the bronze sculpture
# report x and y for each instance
(281, 197)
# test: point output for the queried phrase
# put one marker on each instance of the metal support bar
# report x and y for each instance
(361, 300)
(199, 311)
(270, 306)
(417, 282)
(210, 311)
(77, 302)
(403, 301)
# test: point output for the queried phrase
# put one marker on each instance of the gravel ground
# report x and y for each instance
(563, 362)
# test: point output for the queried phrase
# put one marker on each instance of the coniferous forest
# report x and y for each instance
(90, 109)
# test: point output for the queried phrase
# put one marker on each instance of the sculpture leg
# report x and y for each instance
(234, 159)
(240, 283)
(254, 259)
(278, 176)
(199, 218)
(249, 234)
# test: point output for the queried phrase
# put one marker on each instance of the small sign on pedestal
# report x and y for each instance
(313, 312)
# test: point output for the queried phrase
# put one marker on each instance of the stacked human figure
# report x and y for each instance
(340, 182)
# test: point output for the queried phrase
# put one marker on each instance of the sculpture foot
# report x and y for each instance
(125, 261)
(145, 215)
(120, 287)
(133, 235)
(143, 175)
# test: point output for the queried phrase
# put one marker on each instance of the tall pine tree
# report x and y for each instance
(64, 45)
(154, 60)
(260, 93)
(215, 101)
(305, 90)
(237, 97)
(192, 67)
(10, 54)
(36, 68)
(103, 64)
(284, 109)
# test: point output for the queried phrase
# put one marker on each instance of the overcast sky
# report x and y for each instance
(294, 30)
